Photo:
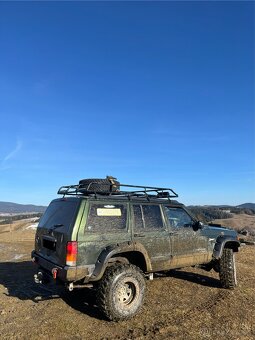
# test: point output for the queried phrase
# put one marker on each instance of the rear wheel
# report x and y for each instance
(227, 269)
(121, 292)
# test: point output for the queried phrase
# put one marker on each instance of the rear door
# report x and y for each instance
(188, 246)
(55, 229)
(150, 230)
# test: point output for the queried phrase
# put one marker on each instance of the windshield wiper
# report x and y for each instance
(55, 227)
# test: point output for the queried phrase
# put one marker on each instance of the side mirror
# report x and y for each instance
(197, 225)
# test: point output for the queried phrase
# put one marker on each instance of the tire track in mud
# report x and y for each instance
(210, 303)
(164, 329)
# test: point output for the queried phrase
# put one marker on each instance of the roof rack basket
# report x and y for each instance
(138, 191)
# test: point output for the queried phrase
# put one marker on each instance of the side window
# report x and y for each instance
(147, 217)
(138, 217)
(178, 217)
(104, 218)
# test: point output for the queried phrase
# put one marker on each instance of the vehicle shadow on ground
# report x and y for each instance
(195, 278)
(17, 278)
(83, 300)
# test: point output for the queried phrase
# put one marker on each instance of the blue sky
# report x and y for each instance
(154, 93)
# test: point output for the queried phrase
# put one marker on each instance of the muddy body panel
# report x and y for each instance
(103, 224)
(189, 248)
(150, 230)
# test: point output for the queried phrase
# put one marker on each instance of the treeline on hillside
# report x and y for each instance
(247, 211)
(10, 219)
(206, 214)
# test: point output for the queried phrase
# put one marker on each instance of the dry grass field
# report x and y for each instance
(239, 222)
(183, 304)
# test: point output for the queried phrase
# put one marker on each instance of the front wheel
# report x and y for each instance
(121, 291)
(227, 269)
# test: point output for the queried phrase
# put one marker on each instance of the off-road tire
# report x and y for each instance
(227, 269)
(120, 292)
(98, 185)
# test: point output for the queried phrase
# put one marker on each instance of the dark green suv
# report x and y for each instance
(99, 234)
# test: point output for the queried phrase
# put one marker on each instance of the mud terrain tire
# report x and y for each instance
(121, 292)
(227, 269)
(98, 185)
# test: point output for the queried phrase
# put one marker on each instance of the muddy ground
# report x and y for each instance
(183, 304)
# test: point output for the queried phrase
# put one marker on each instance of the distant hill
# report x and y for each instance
(15, 208)
(247, 206)
(206, 213)
(225, 206)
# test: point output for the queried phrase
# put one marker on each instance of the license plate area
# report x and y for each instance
(49, 243)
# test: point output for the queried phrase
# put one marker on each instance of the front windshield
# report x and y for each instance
(178, 217)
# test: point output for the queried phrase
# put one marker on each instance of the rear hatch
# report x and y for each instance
(55, 229)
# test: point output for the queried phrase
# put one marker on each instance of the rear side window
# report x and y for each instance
(59, 212)
(106, 217)
(147, 217)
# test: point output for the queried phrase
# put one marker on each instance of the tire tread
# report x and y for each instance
(105, 285)
(227, 269)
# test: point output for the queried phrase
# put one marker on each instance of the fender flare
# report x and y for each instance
(118, 249)
(225, 241)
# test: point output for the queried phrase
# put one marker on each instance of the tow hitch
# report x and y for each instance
(38, 278)
(42, 278)
(70, 287)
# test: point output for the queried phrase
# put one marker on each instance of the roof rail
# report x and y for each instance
(140, 191)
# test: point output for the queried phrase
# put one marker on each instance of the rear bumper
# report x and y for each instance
(64, 274)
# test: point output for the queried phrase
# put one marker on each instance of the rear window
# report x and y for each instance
(59, 212)
(105, 218)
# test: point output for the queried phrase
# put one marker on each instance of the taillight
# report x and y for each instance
(71, 253)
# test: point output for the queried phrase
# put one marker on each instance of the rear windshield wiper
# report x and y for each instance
(55, 227)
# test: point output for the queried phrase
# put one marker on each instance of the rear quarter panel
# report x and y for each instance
(90, 245)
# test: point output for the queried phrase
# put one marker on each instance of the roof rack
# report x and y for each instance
(141, 191)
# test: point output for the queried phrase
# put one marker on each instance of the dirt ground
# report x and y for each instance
(184, 304)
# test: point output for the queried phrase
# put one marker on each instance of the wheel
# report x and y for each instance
(121, 291)
(227, 269)
(108, 184)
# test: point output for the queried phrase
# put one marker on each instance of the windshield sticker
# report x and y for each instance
(108, 212)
